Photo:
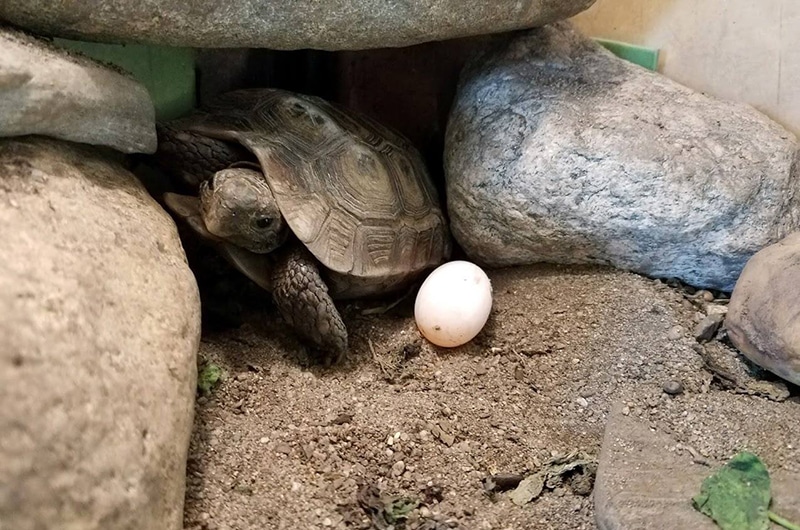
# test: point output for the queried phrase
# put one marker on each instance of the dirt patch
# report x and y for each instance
(405, 433)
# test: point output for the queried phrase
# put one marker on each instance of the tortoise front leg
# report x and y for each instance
(193, 157)
(303, 300)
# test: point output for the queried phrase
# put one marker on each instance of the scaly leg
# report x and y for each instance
(303, 300)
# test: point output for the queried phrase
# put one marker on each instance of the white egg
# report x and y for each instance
(453, 304)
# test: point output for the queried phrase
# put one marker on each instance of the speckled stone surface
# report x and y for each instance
(284, 24)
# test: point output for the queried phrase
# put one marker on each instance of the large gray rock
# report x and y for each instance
(557, 151)
(98, 337)
(283, 24)
(764, 313)
(46, 90)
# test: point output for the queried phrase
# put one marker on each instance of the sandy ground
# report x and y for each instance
(405, 428)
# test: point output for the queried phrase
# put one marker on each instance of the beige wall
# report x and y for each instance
(746, 50)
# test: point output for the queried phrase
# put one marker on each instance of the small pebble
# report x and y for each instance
(713, 309)
(706, 296)
(675, 333)
(707, 328)
(582, 402)
(398, 468)
(673, 388)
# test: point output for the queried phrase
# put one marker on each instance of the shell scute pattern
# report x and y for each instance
(354, 192)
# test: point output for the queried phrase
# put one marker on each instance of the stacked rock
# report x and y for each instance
(101, 312)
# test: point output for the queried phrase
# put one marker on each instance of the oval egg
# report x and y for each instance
(453, 304)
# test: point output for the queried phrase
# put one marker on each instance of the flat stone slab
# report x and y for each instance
(641, 483)
(49, 91)
(283, 24)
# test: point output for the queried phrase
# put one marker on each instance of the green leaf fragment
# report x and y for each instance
(209, 377)
(737, 497)
(399, 509)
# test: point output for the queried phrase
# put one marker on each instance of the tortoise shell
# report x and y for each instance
(355, 193)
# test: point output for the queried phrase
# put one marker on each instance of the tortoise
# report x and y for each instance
(310, 201)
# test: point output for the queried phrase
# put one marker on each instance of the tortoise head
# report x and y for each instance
(238, 206)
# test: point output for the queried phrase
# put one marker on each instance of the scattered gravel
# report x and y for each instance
(284, 444)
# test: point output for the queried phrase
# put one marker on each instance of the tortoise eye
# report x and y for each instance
(263, 222)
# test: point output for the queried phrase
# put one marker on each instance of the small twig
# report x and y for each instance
(726, 379)
(697, 458)
(501, 482)
(380, 310)
(378, 359)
